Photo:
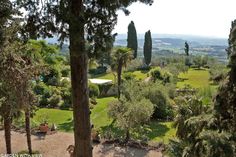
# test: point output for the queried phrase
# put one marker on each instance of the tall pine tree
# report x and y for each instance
(132, 41)
(147, 49)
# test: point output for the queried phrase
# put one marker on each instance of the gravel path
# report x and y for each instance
(55, 146)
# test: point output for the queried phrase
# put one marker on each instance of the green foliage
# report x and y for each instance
(155, 92)
(55, 99)
(199, 61)
(128, 76)
(188, 61)
(93, 90)
(176, 68)
(147, 49)
(206, 94)
(99, 70)
(156, 73)
(53, 76)
(130, 114)
(134, 64)
(121, 56)
(65, 72)
(210, 132)
(160, 74)
(187, 107)
(217, 72)
(159, 96)
(132, 41)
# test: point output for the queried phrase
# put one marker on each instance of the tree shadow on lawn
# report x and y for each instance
(156, 129)
(68, 126)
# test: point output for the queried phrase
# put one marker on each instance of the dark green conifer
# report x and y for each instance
(132, 41)
(147, 49)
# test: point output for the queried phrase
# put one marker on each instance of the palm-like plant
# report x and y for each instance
(187, 107)
(120, 57)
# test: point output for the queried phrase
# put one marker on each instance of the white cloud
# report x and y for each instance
(194, 17)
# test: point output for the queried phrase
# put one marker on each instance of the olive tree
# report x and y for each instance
(130, 114)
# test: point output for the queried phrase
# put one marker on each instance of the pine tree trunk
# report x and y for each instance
(119, 73)
(28, 131)
(79, 80)
(7, 130)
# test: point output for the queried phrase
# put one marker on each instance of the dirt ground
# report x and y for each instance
(55, 146)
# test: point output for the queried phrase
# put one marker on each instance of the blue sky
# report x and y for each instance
(193, 17)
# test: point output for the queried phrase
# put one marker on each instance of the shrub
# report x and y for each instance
(159, 74)
(66, 97)
(55, 97)
(134, 65)
(167, 77)
(98, 70)
(217, 72)
(157, 94)
(93, 90)
(40, 88)
(144, 68)
(65, 72)
(156, 73)
(53, 76)
(128, 76)
(130, 114)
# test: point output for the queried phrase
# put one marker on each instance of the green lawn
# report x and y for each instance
(63, 118)
(161, 131)
(109, 76)
(195, 78)
(139, 75)
(155, 131)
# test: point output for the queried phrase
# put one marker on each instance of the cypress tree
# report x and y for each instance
(132, 41)
(147, 49)
(186, 48)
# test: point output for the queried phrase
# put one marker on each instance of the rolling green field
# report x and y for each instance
(155, 131)
(195, 78)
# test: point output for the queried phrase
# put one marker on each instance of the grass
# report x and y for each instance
(108, 76)
(99, 115)
(139, 75)
(155, 131)
(195, 78)
(63, 118)
(161, 131)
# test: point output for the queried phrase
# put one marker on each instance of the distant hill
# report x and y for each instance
(193, 39)
(174, 43)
